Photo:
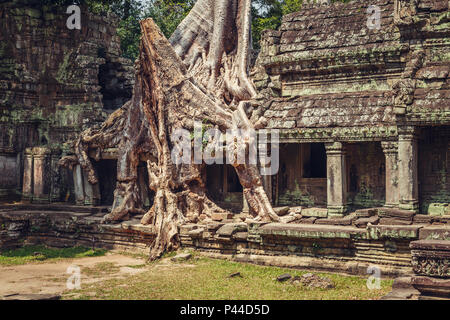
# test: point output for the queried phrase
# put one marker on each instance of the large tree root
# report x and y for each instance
(172, 90)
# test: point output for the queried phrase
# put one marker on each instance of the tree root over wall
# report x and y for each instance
(176, 84)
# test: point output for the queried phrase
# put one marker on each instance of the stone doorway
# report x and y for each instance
(434, 170)
(107, 175)
(224, 187)
(301, 180)
(366, 175)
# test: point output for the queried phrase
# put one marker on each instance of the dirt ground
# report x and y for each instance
(51, 278)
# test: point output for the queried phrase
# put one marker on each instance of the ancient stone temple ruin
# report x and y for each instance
(362, 107)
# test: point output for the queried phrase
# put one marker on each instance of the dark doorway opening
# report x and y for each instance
(115, 87)
(316, 165)
(107, 176)
(234, 185)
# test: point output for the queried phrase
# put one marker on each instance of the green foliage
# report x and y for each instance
(267, 14)
(29, 254)
(167, 14)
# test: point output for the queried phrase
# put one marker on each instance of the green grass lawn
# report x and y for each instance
(40, 254)
(204, 278)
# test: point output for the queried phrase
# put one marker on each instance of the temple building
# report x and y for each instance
(359, 93)
(362, 106)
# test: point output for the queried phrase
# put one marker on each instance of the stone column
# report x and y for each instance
(336, 179)
(55, 193)
(78, 184)
(91, 192)
(245, 207)
(390, 150)
(407, 169)
(267, 184)
(27, 184)
(41, 175)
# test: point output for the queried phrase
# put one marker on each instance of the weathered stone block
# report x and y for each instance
(437, 209)
(365, 213)
(393, 232)
(311, 231)
(219, 216)
(435, 232)
(363, 222)
(229, 229)
(315, 212)
(431, 286)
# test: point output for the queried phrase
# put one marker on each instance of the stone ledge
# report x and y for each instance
(311, 231)
(430, 245)
(435, 232)
(310, 263)
(394, 232)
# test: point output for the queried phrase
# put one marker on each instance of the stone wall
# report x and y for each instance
(69, 226)
(53, 80)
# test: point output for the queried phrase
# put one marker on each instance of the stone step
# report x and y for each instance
(441, 245)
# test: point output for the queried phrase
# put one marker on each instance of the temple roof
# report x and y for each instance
(326, 67)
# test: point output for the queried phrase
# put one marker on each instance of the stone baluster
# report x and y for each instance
(41, 174)
(78, 184)
(27, 184)
(336, 179)
(390, 150)
(407, 169)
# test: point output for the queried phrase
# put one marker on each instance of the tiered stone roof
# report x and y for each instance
(325, 68)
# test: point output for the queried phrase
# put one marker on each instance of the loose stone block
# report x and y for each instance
(363, 222)
(315, 212)
(216, 216)
(432, 287)
(229, 229)
(181, 257)
(393, 222)
(365, 213)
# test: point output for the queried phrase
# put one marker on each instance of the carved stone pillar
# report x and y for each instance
(27, 184)
(336, 179)
(55, 194)
(407, 169)
(267, 184)
(91, 192)
(245, 207)
(78, 184)
(390, 150)
(41, 174)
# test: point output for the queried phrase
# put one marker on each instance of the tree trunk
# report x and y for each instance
(176, 85)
